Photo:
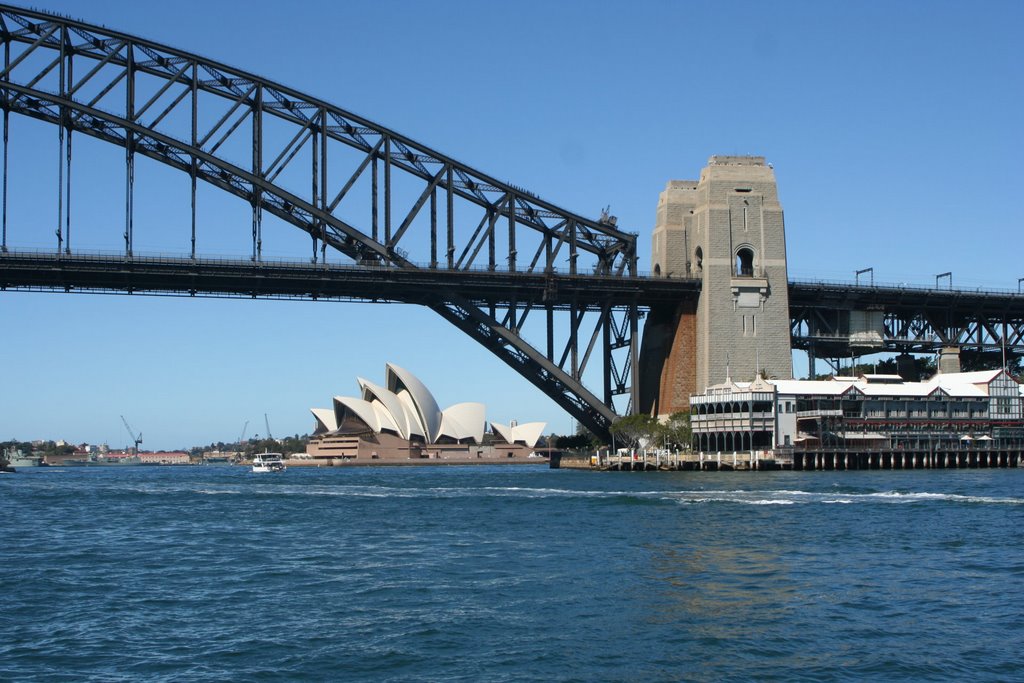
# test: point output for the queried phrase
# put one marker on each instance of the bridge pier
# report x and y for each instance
(725, 229)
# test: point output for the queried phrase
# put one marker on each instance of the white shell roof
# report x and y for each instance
(357, 406)
(387, 421)
(325, 420)
(464, 421)
(412, 414)
(423, 402)
(504, 431)
(391, 404)
(528, 433)
(408, 409)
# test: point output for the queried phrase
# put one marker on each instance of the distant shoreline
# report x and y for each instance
(304, 464)
(420, 462)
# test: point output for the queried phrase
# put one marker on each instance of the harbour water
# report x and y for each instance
(510, 574)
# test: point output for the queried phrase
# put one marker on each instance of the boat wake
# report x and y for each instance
(682, 497)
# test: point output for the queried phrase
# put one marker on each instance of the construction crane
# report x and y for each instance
(241, 439)
(267, 423)
(136, 439)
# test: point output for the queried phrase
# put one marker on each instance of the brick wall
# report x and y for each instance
(668, 360)
(679, 375)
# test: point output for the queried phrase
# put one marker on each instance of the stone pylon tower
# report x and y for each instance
(727, 230)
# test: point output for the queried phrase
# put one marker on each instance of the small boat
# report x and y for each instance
(268, 462)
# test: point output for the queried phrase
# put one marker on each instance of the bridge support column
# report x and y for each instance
(667, 370)
(949, 359)
(726, 230)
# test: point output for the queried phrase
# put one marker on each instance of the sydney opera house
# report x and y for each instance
(402, 421)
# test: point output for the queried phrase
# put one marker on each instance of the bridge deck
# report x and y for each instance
(917, 319)
(835, 295)
(290, 279)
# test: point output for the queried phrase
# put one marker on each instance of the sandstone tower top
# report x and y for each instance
(717, 160)
(727, 169)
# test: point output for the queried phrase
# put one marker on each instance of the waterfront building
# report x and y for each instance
(401, 420)
(964, 410)
(164, 458)
(124, 457)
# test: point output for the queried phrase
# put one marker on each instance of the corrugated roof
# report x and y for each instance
(811, 386)
(966, 384)
(905, 390)
(956, 385)
(836, 387)
(889, 379)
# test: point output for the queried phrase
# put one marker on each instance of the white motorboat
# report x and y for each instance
(268, 462)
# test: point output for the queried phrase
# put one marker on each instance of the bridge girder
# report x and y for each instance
(913, 319)
(134, 93)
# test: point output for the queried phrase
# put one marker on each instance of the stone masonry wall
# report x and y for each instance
(741, 321)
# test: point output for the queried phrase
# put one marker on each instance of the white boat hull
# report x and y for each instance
(274, 463)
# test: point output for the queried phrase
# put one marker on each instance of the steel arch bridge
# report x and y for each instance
(387, 219)
(371, 202)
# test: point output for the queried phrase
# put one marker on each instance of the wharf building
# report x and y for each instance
(726, 229)
(401, 421)
(952, 414)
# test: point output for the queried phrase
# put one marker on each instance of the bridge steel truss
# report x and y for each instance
(913, 319)
(369, 196)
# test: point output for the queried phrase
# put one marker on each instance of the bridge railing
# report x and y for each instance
(904, 286)
(234, 260)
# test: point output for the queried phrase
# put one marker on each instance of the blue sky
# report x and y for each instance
(894, 130)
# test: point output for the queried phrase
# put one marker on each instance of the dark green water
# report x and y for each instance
(510, 574)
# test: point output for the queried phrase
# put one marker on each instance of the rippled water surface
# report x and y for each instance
(514, 573)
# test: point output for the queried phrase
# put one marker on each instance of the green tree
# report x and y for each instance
(630, 430)
(677, 430)
(924, 365)
(971, 361)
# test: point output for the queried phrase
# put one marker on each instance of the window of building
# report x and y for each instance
(745, 262)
